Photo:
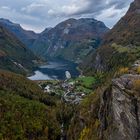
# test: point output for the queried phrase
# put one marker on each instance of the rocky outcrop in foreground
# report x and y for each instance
(120, 107)
(111, 114)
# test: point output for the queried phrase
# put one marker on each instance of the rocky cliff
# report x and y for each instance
(120, 107)
(111, 113)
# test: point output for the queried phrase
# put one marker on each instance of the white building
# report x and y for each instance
(68, 75)
(47, 89)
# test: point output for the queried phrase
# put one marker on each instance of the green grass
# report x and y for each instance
(83, 89)
(87, 81)
(84, 84)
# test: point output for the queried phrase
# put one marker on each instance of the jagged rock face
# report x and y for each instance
(126, 113)
(115, 115)
(121, 109)
(66, 38)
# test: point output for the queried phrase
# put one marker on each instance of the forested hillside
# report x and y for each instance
(14, 55)
(25, 111)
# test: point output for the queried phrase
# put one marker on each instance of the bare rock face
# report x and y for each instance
(120, 108)
(126, 113)
(113, 113)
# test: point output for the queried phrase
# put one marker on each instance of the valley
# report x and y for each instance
(78, 80)
(71, 90)
(53, 80)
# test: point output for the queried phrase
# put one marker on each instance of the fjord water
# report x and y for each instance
(55, 69)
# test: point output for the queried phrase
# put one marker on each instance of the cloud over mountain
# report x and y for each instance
(38, 14)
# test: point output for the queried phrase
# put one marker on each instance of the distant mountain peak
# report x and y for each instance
(125, 32)
(135, 7)
(137, 2)
(78, 37)
(7, 21)
(26, 37)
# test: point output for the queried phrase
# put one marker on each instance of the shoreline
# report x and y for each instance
(54, 70)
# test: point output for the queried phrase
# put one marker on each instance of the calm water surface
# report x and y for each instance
(55, 70)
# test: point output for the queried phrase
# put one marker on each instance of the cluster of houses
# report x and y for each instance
(68, 88)
(70, 95)
(73, 97)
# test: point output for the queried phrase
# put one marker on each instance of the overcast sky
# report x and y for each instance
(39, 14)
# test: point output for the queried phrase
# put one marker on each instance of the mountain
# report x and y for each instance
(128, 28)
(14, 56)
(72, 39)
(119, 45)
(26, 37)
(112, 112)
(78, 36)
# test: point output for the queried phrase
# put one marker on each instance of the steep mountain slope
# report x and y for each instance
(119, 43)
(14, 56)
(72, 39)
(112, 112)
(26, 37)
(25, 111)
(128, 28)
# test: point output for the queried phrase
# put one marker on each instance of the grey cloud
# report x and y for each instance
(39, 14)
(97, 6)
